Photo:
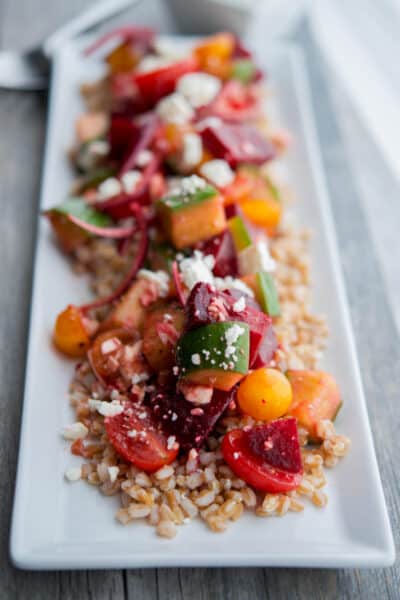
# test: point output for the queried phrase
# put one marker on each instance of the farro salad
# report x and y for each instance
(197, 392)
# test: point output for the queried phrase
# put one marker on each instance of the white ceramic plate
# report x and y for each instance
(60, 525)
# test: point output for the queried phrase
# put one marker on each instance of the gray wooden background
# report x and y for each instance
(22, 131)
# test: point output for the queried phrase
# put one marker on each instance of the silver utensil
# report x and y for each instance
(30, 70)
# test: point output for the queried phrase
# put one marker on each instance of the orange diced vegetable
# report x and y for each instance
(70, 333)
(316, 396)
(123, 58)
(264, 212)
(219, 46)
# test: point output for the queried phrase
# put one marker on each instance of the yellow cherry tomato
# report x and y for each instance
(264, 212)
(265, 394)
(70, 334)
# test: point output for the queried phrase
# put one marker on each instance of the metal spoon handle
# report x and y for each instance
(92, 17)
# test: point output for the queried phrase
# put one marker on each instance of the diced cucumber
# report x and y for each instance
(244, 70)
(240, 233)
(268, 294)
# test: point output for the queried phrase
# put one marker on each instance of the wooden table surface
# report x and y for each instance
(22, 132)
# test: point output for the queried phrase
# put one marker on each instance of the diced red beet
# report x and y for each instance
(232, 210)
(266, 348)
(277, 443)
(190, 424)
(238, 143)
(223, 250)
(196, 307)
(239, 50)
(122, 136)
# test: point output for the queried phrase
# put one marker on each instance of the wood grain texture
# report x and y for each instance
(22, 123)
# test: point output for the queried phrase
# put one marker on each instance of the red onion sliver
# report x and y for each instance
(136, 265)
(141, 34)
(178, 283)
(107, 232)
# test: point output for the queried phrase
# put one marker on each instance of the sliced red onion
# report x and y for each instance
(136, 264)
(178, 283)
(116, 233)
(145, 139)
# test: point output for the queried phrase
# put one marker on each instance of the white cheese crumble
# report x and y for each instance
(192, 184)
(196, 359)
(143, 158)
(233, 333)
(199, 88)
(99, 148)
(218, 172)
(113, 473)
(174, 109)
(192, 151)
(108, 188)
(161, 278)
(139, 378)
(240, 305)
(73, 473)
(76, 431)
(110, 345)
(256, 258)
(152, 62)
(107, 409)
(171, 441)
(130, 180)
(197, 268)
(231, 282)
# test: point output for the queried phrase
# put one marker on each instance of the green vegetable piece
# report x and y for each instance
(220, 346)
(240, 233)
(182, 201)
(244, 70)
(77, 207)
(268, 294)
(95, 177)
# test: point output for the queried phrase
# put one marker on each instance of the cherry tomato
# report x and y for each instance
(265, 394)
(137, 438)
(70, 334)
(155, 84)
(268, 457)
(116, 356)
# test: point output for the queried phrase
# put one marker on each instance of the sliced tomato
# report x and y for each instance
(235, 102)
(115, 356)
(155, 84)
(267, 457)
(138, 439)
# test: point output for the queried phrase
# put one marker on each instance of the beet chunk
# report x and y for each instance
(277, 443)
(238, 143)
(221, 247)
(190, 424)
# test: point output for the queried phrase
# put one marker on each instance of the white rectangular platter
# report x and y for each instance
(59, 525)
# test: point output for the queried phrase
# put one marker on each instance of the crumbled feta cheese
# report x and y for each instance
(175, 109)
(197, 394)
(152, 62)
(108, 188)
(240, 305)
(139, 378)
(107, 409)
(256, 258)
(218, 172)
(174, 416)
(233, 333)
(161, 278)
(113, 473)
(99, 148)
(143, 158)
(132, 433)
(199, 88)
(197, 268)
(130, 180)
(196, 359)
(73, 473)
(192, 151)
(110, 345)
(171, 441)
(76, 431)
(209, 122)
(231, 282)
(236, 455)
(192, 184)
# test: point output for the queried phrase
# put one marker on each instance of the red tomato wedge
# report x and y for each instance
(155, 84)
(267, 457)
(137, 438)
